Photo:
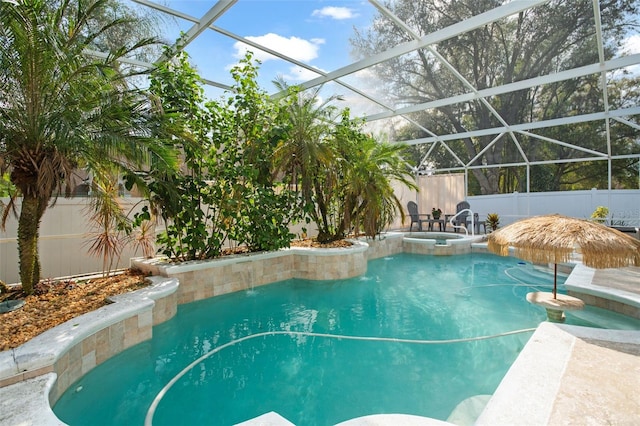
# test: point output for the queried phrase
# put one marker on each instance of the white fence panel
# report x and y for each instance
(624, 205)
(64, 232)
(64, 241)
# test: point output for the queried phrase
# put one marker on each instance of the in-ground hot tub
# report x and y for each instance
(438, 243)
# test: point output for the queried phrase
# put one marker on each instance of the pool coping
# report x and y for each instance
(543, 385)
(590, 285)
(45, 349)
(39, 355)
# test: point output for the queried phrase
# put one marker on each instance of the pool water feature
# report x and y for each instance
(439, 237)
(438, 243)
(442, 240)
(244, 364)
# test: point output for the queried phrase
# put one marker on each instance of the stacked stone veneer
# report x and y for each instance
(204, 279)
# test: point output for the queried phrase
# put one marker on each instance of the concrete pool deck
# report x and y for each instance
(564, 375)
(568, 375)
(577, 375)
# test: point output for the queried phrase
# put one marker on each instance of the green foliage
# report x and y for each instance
(62, 109)
(331, 173)
(227, 195)
(109, 220)
(366, 198)
(493, 220)
(342, 175)
(6, 187)
(600, 214)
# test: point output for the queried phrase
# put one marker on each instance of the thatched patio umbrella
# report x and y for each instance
(554, 238)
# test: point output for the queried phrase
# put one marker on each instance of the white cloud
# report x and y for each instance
(297, 73)
(631, 45)
(335, 12)
(293, 47)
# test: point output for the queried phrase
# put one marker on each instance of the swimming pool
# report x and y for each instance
(311, 376)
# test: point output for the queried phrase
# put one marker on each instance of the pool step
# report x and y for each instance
(466, 413)
(268, 419)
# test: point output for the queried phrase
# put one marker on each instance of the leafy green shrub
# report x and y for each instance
(227, 194)
(600, 214)
(493, 220)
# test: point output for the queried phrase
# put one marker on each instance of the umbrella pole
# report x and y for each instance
(555, 280)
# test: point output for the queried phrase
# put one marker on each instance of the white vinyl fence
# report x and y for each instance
(624, 205)
(65, 231)
(65, 234)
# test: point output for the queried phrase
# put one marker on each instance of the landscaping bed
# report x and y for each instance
(57, 301)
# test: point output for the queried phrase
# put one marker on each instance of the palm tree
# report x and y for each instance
(61, 109)
(380, 204)
(369, 168)
(304, 154)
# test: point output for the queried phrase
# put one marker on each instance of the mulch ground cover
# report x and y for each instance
(58, 301)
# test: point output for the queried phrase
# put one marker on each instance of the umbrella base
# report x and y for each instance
(554, 315)
(555, 307)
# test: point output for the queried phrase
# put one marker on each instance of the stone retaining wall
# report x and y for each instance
(72, 349)
(204, 279)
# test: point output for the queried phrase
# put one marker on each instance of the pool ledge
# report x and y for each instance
(570, 375)
(613, 289)
(76, 346)
(163, 266)
(31, 398)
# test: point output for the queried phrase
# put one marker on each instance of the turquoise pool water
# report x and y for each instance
(224, 360)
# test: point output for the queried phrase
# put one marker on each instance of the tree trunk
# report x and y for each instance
(28, 229)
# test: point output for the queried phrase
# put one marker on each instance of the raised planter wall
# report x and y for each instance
(72, 349)
(203, 279)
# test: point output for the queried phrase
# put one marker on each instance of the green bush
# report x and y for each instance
(600, 214)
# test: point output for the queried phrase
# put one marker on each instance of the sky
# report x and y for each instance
(315, 32)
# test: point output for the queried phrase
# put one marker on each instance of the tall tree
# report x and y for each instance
(344, 177)
(558, 35)
(61, 109)
(368, 168)
(304, 156)
(226, 193)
